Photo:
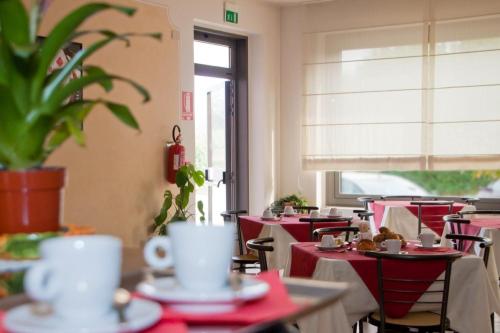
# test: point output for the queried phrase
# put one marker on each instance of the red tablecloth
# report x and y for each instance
(433, 214)
(305, 257)
(251, 227)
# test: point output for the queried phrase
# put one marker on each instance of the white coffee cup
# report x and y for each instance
(314, 214)
(268, 213)
(392, 245)
(77, 275)
(333, 212)
(427, 239)
(328, 241)
(201, 254)
(288, 210)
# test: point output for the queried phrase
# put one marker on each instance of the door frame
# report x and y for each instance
(237, 185)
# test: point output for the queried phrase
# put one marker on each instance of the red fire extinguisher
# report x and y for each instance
(174, 156)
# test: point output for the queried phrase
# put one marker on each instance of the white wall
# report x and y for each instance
(340, 15)
(260, 22)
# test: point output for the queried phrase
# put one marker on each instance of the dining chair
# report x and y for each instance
(305, 209)
(470, 201)
(363, 214)
(366, 201)
(342, 221)
(485, 244)
(431, 218)
(242, 260)
(456, 221)
(317, 233)
(259, 245)
(391, 289)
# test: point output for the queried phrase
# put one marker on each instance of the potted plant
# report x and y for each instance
(289, 200)
(186, 178)
(35, 114)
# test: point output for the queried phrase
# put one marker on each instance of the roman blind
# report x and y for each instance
(421, 96)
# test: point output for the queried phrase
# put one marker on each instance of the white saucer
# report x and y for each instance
(167, 289)
(424, 247)
(140, 314)
(9, 266)
(328, 248)
(274, 218)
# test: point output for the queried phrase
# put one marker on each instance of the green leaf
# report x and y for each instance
(78, 109)
(199, 178)
(61, 34)
(181, 178)
(167, 203)
(201, 210)
(190, 187)
(14, 22)
(74, 127)
(123, 113)
(107, 85)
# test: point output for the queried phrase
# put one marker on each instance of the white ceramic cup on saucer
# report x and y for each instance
(314, 214)
(268, 213)
(328, 241)
(427, 239)
(201, 254)
(333, 212)
(77, 275)
(392, 245)
(288, 210)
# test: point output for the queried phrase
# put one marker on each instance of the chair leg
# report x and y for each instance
(355, 328)
(492, 319)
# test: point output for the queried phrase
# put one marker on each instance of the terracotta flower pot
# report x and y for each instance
(31, 201)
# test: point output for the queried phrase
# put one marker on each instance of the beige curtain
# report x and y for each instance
(421, 96)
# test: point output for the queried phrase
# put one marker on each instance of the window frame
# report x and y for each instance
(333, 196)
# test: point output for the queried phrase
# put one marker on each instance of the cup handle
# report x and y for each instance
(163, 243)
(419, 237)
(40, 282)
(383, 244)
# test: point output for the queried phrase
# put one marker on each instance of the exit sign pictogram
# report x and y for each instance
(231, 12)
(231, 17)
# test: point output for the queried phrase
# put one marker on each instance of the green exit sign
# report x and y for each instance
(231, 16)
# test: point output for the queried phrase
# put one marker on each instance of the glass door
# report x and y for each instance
(216, 127)
(211, 149)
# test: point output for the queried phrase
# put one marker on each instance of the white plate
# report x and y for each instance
(290, 215)
(167, 289)
(140, 314)
(424, 247)
(9, 266)
(274, 218)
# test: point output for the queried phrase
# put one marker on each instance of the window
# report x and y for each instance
(419, 98)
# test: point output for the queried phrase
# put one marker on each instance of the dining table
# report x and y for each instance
(474, 295)
(289, 301)
(402, 217)
(284, 231)
(484, 226)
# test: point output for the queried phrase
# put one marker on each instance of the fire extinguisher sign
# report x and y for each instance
(187, 105)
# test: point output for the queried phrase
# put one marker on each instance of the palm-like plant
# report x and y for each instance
(35, 117)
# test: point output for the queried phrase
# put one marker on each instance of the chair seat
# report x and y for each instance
(412, 319)
(245, 259)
